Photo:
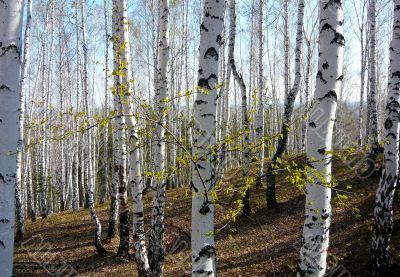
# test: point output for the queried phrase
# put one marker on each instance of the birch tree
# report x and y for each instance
(75, 193)
(122, 56)
(20, 215)
(203, 175)
(286, 40)
(89, 182)
(383, 212)
(260, 109)
(317, 220)
(11, 14)
(105, 190)
(121, 152)
(245, 115)
(43, 194)
(156, 239)
(287, 118)
(372, 100)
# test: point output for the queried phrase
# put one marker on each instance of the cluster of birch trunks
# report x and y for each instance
(72, 135)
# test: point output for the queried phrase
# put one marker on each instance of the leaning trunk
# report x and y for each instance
(287, 118)
(245, 115)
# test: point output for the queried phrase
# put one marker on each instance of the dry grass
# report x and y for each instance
(265, 245)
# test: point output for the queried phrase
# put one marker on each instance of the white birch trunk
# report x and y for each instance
(105, 190)
(89, 185)
(135, 179)
(203, 178)
(156, 239)
(361, 139)
(20, 215)
(120, 143)
(11, 13)
(373, 106)
(75, 190)
(245, 115)
(43, 195)
(315, 244)
(383, 212)
(260, 108)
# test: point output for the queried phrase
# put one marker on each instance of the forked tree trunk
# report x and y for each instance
(317, 220)
(121, 36)
(203, 172)
(383, 212)
(11, 13)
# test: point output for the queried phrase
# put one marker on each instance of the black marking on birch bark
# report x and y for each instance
(325, 216)
(312, 124)
(202, 271)
(339, 39)
(192, 186)
(202, 27)
(200, 101)
(9, 48)
(207, 114)
(205, 208)
(340, 78)
(2, 244)
(310, 164)
(392, 135)
(326, 26)
(4, 87)
(319, 76)
(388, 123)
(330, 94)
(2, 178)
(219, 40)
(396, 74)
(215, 17)
(4, 220)
(139, 214)
(322, 151)
(207, 251)
(325, 66)
(331, 2)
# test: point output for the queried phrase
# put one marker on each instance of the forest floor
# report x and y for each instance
(267, 244)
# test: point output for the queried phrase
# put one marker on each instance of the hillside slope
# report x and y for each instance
(267, 244)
